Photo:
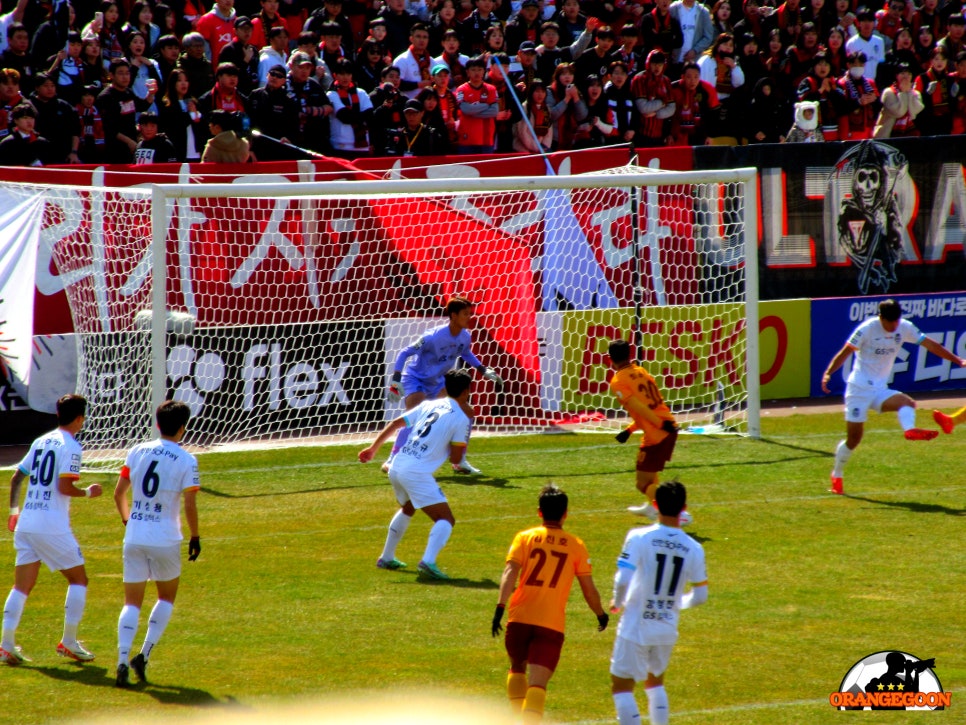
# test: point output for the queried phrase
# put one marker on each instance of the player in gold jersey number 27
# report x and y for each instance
(546, 560)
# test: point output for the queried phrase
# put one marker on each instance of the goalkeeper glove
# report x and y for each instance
(669, 426)
(497, 617)
(194, 548)
(602, 621)
(395, 387)
(490, 375)
(623, 436)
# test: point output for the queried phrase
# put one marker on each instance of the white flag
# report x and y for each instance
(21, 217)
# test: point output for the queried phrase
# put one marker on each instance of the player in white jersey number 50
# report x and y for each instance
(42, 530)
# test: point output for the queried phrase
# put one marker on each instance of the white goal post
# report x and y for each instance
(276, 308)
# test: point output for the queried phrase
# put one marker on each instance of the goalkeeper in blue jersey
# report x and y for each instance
(419, 369)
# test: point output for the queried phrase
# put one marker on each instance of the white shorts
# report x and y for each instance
(57, 551)
(858, 402)
(632, 661)
(419, 488)
(155, 563)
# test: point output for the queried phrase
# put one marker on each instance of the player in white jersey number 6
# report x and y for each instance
(875, 343)
(158, 474)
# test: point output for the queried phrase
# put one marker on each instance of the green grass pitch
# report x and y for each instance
(285, 604)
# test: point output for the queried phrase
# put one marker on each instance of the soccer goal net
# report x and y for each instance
(276, 310)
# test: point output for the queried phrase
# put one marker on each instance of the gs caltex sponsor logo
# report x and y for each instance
(891, 680)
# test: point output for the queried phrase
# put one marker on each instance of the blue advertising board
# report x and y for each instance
(940, 316)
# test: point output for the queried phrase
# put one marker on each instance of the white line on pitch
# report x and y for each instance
(748, 707)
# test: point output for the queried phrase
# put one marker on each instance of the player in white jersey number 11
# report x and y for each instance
(655, 565)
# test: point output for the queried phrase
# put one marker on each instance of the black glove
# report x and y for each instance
(623, 436)
(194, 547)
(669, 426)
(497, 617)
(602, 620)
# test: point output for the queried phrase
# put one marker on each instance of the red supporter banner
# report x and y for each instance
(240, 261)
(293, 260)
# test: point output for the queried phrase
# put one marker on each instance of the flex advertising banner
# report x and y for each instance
(941, 316)
(263, 381)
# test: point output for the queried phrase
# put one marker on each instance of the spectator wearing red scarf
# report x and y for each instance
(415, 63)
(352, 114)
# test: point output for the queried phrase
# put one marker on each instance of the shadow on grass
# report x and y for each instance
(177, 695)
(917, 507)
(816, 452)
(94, 676)
(463, 480)
(456, 582)
(221, 494)
(91, 675)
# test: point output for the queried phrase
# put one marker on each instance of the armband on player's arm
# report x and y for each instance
(696, 597)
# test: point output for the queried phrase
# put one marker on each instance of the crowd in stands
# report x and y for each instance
(141, 81)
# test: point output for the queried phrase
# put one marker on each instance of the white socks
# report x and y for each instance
(907, 417)
(397, 528)
(12, 611)
(127, 627)
(160, 616)
(73, 612)
(842, 455)
(657, 709)
(438, 536)
(626, 705)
